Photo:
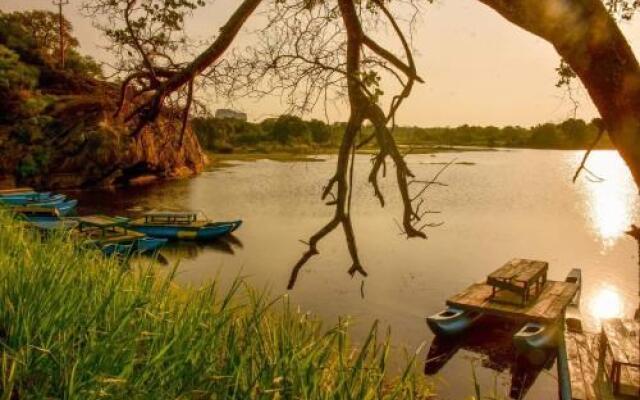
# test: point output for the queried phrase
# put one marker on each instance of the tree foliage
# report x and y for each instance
(15, 75)
(34, 36)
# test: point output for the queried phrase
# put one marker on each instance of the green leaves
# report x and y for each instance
(76, 325)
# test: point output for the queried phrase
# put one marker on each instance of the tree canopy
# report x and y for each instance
(312, 51)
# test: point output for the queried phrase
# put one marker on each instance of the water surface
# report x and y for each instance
(496, 206)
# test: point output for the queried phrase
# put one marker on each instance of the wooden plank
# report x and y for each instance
(533, 270)
(576, 375)
(562, 300)
(630, 331)
(546, 299)
(548, 307)
(612, 329)
(630, 381)
(101, 221)
(588, 365)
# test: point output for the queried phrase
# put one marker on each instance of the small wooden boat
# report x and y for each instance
(39, 210)
(112, 236)
(451, 321)
(33, 198)
(144, 245)
(64, 208)
(45, 218)
(536, 335)
(120, 249)
(181, 225)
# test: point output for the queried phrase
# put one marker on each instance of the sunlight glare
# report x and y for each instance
(606, 304)
(610, 202)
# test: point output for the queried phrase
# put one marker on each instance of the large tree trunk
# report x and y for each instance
(588, 38)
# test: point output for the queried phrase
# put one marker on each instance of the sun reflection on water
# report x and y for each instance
(607, 303)
(610, 201)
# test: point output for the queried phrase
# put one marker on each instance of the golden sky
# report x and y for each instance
(479, 69)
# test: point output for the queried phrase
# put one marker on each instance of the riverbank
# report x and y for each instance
(77, 325)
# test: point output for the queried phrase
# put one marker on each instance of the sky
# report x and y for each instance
(479, 68)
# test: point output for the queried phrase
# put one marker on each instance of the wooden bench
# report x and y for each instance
(518, 276)
(622, 343)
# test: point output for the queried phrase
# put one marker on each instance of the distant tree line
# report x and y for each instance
(227, 135)
(570, 134)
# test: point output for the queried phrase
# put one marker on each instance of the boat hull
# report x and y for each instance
(536, 336)
(32, 199)
(51, 223)
(120, 249)
(66, 207)
(149, 244)
(200, 233)
(451, 321)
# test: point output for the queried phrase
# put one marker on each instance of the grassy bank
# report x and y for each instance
(76, 325)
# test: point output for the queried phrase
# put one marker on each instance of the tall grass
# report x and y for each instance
(76, 325)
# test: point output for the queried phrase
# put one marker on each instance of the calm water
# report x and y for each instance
(506, 204)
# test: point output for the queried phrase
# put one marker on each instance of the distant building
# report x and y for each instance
(225, 113)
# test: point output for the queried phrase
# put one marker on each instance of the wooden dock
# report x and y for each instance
(548, 307)
(590, 367)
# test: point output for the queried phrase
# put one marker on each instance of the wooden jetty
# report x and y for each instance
(602, 366)
(546, 304)
(106, 230)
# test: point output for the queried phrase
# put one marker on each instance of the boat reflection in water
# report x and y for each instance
(175, 251)
(491, 339)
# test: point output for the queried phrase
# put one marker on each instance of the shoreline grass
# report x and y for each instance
(76, 325)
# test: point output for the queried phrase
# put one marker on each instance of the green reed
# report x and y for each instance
(77, 325)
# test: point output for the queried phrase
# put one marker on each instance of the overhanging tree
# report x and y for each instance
(584, 33)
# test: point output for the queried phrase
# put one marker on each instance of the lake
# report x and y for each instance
(496, 205)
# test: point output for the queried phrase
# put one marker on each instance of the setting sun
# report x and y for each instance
(606, 304)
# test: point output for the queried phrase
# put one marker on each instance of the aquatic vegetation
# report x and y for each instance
(74, 324)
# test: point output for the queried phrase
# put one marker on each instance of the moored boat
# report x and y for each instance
(65, 207)
(181, 225)
(537, 335)
(32, 198)
(46, 218)
(112, 236)
(451, 321)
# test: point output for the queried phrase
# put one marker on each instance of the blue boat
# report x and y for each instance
(120, 249)
(45, 218)
(147, 244)
(182, 225)
(113, 237)
(61, 209)
(65, 207)
(17, 191)
(34, 199)
(451, 321)
(536, 335)
(25, 195)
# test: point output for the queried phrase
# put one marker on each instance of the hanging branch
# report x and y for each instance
(601, 130)
(363, 106)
